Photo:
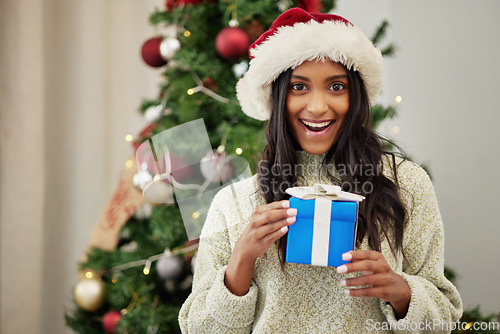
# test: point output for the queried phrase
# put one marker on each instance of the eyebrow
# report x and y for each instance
(333, 77)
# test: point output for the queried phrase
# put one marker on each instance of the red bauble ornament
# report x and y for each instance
(232, 43)
(151, 52)
(110, 321)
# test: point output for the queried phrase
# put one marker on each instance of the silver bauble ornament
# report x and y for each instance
(216, 167)
(142, 178)
(169, 267)
(153, 113)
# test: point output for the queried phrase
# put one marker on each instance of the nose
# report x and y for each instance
(317, 104)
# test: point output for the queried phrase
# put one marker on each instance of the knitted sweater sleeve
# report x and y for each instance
(435, 303)
(211, 307)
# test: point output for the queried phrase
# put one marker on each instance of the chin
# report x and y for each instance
(316, 150)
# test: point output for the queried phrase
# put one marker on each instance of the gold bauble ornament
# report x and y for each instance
(89, 294)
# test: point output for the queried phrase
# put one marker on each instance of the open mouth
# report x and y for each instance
(317, 126)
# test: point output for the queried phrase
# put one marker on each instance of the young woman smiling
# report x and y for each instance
(317, 104)
(313, 77)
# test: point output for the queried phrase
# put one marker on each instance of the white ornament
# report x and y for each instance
(154, 113)
(158, 191)
(216, 167)
(169, 266)
(144, 211)
(240, 68)
(141, 178)
(168, 47)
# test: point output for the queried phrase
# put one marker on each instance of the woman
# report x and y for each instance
(313, 76)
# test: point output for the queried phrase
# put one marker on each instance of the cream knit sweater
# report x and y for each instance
(309, 299)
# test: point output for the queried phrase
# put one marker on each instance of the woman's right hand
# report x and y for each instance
(269, 222)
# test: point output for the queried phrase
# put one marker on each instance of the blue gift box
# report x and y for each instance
(301, 235)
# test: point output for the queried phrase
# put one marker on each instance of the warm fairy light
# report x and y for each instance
(187, 33)
(196, 215)
(398, 99)
(396, 129)
(468, 326)
(147, 268)
(113, 280)
(129, 137)
(89, 274)
(129, 163)
(190, 91)
(239, 151)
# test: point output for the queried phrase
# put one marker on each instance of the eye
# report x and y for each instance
(298, 86)
(337, 87)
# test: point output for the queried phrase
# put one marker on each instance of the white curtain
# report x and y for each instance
(72, 79)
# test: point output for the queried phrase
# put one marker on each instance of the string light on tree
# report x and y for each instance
(201, 88)
(147, 268)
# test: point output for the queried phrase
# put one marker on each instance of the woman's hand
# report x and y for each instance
(383, 282)
(269, 222)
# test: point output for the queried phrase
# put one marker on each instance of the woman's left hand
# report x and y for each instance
(383, 282)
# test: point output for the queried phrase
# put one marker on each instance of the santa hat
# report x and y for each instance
(298, 36)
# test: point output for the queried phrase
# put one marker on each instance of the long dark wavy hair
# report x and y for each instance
(382, 214)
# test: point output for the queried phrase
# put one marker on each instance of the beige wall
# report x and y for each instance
(446, 70)
(448, 74)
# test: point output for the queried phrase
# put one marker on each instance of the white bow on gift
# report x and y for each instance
(331, 192)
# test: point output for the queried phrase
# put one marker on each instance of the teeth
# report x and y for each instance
(317, 125)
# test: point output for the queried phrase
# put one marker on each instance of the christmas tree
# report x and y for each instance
(138, 271)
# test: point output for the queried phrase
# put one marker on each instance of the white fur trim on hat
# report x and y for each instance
(290, 46)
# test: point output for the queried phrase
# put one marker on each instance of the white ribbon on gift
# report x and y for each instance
(324, 194)
(321, 231)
